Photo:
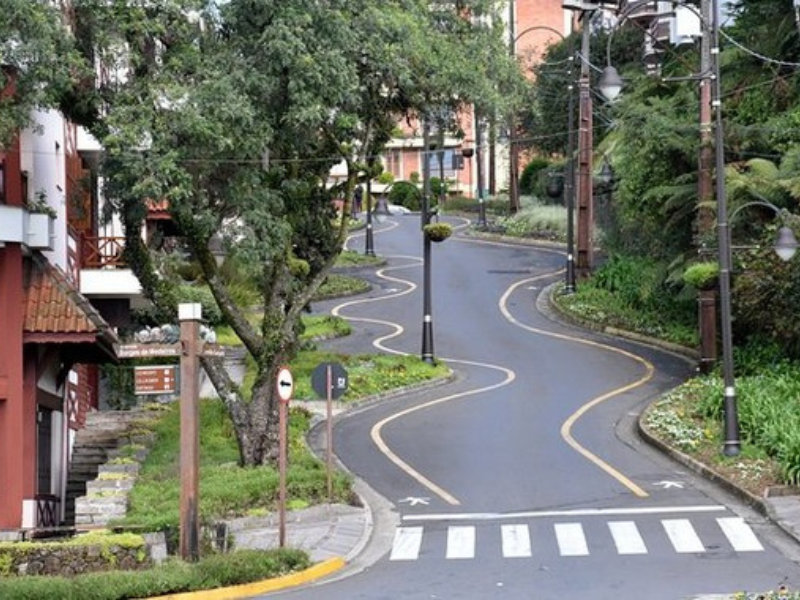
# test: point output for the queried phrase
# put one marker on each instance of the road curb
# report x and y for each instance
(763, 505)
(256, 588)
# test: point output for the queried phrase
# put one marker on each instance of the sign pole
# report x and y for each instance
(189, 316)
(329, 424)
(285, 387)
(282, 476)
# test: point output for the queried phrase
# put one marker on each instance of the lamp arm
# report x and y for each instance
(779, 212)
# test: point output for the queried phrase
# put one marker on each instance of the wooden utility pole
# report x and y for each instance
(189, 316)
(585, 254)
(707, 314)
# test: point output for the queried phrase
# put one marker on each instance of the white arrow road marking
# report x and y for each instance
(414, 501)
(670, 484)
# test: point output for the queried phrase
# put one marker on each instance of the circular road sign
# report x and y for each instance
(319, 380)
(285, 384)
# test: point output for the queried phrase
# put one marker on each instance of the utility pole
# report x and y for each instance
(707, 314)
(513, 187)
(585, 257)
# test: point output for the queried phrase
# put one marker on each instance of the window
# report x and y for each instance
(452, 161)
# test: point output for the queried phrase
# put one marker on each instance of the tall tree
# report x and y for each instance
(234, 113)
(36, 58)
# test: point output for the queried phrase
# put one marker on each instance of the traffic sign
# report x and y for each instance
(339, 381)
(285, 384)
(161, 379)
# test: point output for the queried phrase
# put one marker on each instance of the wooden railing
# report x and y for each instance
(47, 510)
(102, 252)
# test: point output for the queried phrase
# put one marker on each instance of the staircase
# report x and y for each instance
(95, 444)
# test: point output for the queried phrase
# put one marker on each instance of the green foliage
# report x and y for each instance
(351, 258)
(529, 180)
(368, 375)
(768, 411)
(226, 489)
(174, 576)
(765, 296)
(336, 286)
(202, 295)
(543, 222)
(39, 50)
(702, 276)
(385, 178)
(405, 193)
(438, 232)
(632, 293)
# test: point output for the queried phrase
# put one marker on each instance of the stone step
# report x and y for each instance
(108, 485)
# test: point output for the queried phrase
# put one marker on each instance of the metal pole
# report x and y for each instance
(282, 450)
(479, 166)
(513, 188)
(329, 428)
(731, 445)
(569, 184)
(369, 249)
(189, 316)
(585, 200)
(427, 319)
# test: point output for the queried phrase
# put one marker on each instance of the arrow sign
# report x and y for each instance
(413, 501)
(285, 384)
(670, 484)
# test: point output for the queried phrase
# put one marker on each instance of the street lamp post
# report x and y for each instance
(369, 243)
(610, 86)
(479, 167)
(731, 443)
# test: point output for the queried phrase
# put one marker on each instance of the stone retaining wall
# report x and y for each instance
(70, 557)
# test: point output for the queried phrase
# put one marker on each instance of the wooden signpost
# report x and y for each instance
(162, 380)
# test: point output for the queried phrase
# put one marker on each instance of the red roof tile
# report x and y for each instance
(54, 306)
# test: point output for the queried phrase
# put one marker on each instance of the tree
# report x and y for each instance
(36, 57)
(235, 112)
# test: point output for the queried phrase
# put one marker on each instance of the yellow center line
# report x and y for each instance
(566, 428)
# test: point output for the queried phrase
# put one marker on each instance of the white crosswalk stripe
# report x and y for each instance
(571, 540)
(627, 538)
(683, 536)
(407, 542)
(739, 534)
(515, 539)
(460, 542)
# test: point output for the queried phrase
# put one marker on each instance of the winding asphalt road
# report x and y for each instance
(523, 478)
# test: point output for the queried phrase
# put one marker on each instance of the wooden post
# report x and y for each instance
(189, 316)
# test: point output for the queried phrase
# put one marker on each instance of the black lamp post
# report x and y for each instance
(610, 85)
(479, 167)
(425, 215)
(369, 240)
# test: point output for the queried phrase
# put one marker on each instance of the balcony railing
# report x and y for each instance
(101, 252)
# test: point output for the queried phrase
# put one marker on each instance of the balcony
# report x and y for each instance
(34, 230)
(97, 263)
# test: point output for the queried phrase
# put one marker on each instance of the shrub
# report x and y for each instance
(201, 294)
(529, 179)
(404, 193)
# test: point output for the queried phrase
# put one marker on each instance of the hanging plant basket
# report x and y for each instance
(702, 276)
(438, 232)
